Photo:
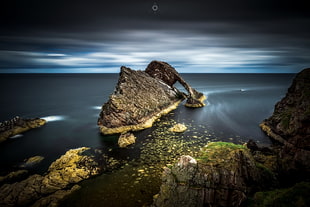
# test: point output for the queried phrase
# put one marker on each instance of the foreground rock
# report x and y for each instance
(290, 127)
(71, 168)
(17, 126)
(178, 128)
(141, 97)
(126, 139)
(223, 175)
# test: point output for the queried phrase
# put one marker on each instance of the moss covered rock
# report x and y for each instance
(222, 175)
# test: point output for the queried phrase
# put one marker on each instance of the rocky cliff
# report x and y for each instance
(141, 97)
(222, 175)
(289, 126)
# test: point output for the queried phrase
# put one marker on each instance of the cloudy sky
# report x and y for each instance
(201, 36)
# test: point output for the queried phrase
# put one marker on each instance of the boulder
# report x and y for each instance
(141, 97)
(30, 162)
(223, 175)
(126, 139)
(289, 127)
(178, 128)
(72, 167)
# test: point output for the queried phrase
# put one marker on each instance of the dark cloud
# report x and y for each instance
(206, 36)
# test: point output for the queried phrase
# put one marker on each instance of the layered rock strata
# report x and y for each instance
(46, 190)
(141, 97)
(18, 125)
(223, 175)
(289, 126)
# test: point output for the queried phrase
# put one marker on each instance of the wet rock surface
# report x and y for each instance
(289, 126)
(178, 128)
(126, 139)
(46, 190)
(141, 97)
(18, 125)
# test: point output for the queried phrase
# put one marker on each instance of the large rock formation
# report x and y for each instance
(141, 97)
(290, 126)
(71, 168)
(223, 175)
(18, 125)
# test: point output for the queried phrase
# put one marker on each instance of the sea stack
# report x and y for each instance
(141, 97)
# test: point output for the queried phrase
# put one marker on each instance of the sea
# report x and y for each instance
(236, 104)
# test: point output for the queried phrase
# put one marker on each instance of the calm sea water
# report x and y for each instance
(236, 104)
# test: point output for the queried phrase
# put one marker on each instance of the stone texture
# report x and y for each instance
(223, 175)
(126, 139)
(72, 167)
(141, 97)
(12, 176)
(32, 161)
(168, 74)
(289, 126)
(178, 128)
(18, 125)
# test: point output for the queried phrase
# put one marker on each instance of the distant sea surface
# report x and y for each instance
(236, 105)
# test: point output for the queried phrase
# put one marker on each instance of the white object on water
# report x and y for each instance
(53, 118)
(96, 107)
(16, 136)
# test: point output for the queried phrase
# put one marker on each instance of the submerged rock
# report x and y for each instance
(71, 168)
(13, 176)
(126, 139)
(17, 126)
(223, 175)
(141, 97)
(289, 126)
(178, 128)
(32, 161)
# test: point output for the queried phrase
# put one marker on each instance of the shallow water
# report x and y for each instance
(236, 104)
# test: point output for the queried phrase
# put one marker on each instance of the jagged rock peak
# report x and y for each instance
(141, 97)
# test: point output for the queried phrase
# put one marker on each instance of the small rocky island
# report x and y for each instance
(141, 97)
(18, 125)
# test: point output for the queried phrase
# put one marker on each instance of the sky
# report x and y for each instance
(194, 36)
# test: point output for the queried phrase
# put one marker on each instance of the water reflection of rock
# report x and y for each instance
(18, 125)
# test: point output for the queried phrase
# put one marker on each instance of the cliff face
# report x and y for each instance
(222, 175)
(141, 97)
(290, 125)
(137, 101)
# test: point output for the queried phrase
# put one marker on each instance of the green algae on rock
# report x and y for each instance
(297, 196)
(222, 175)
(38, 190)
(17, 126)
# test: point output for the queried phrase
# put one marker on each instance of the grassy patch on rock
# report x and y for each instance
(297, 196)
